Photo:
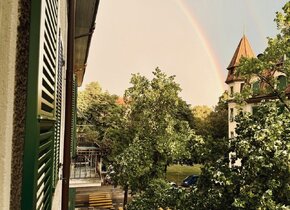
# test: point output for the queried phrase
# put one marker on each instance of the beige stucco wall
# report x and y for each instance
(56, 200)
(236, 89)
(236, 108)
(8, 25)
(232, 125)
(236, 86)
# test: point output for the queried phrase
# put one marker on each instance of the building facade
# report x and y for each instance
(236, 84)
(43, 52)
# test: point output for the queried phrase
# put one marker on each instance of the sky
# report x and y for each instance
(191, 39)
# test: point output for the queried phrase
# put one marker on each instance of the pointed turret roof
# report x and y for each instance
(244, 49)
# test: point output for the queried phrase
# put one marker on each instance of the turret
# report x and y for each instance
(235, 83)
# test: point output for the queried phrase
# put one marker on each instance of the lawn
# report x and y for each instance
(176, 173)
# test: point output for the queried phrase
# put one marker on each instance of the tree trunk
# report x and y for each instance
(125, 197)
(156, 161)
(165, 170)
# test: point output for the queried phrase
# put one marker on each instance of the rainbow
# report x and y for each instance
(184, 7)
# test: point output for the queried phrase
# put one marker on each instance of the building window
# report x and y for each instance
(231, 114)
(231, 91)
(281, 83)
(242, 87)
(256, 88)
(254, 110)
(232, 134)
(281, 108)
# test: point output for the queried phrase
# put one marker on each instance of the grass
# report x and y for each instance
(176, 173)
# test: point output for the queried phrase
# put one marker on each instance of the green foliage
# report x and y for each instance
(160, 194)
(201, 112)
(218, 119)
(263, 145)
(154, 131)
(262, 181)
(201, 119)
(184, 113)
(212, 126)
(132, 166)
(98, 114)
(214, 123)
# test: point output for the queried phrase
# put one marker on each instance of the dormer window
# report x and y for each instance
(281, 83)
(256, 87)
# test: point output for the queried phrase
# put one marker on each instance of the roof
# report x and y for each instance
(244, 49)
(269, 96)
(120, 101)
(85, 14)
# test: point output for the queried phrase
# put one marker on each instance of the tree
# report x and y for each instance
(262, 141)
(156, 133)
(212, 126)
(262, 180)
(213, 123)
(218, 119)
(201, 121)
(160, 194)
(98, 113)
(217, 141)
(262, 144)
(184, 113)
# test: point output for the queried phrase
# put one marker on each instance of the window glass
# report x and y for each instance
(231, 114)
(282, 83)
(256, 87)
(231, 91)
(254, 110)
(242, 87)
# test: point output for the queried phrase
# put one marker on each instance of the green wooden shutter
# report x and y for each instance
(74, 117)
(72, 195)
(57, 131)
(40, 116)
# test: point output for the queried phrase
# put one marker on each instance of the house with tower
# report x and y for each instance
(236, 84)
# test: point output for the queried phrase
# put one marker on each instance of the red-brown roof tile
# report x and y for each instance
(244, 49)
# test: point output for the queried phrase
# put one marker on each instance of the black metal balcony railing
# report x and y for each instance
(85, 164)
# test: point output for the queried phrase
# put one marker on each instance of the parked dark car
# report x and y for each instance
(189, 181)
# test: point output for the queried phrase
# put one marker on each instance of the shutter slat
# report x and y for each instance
(40, 144)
